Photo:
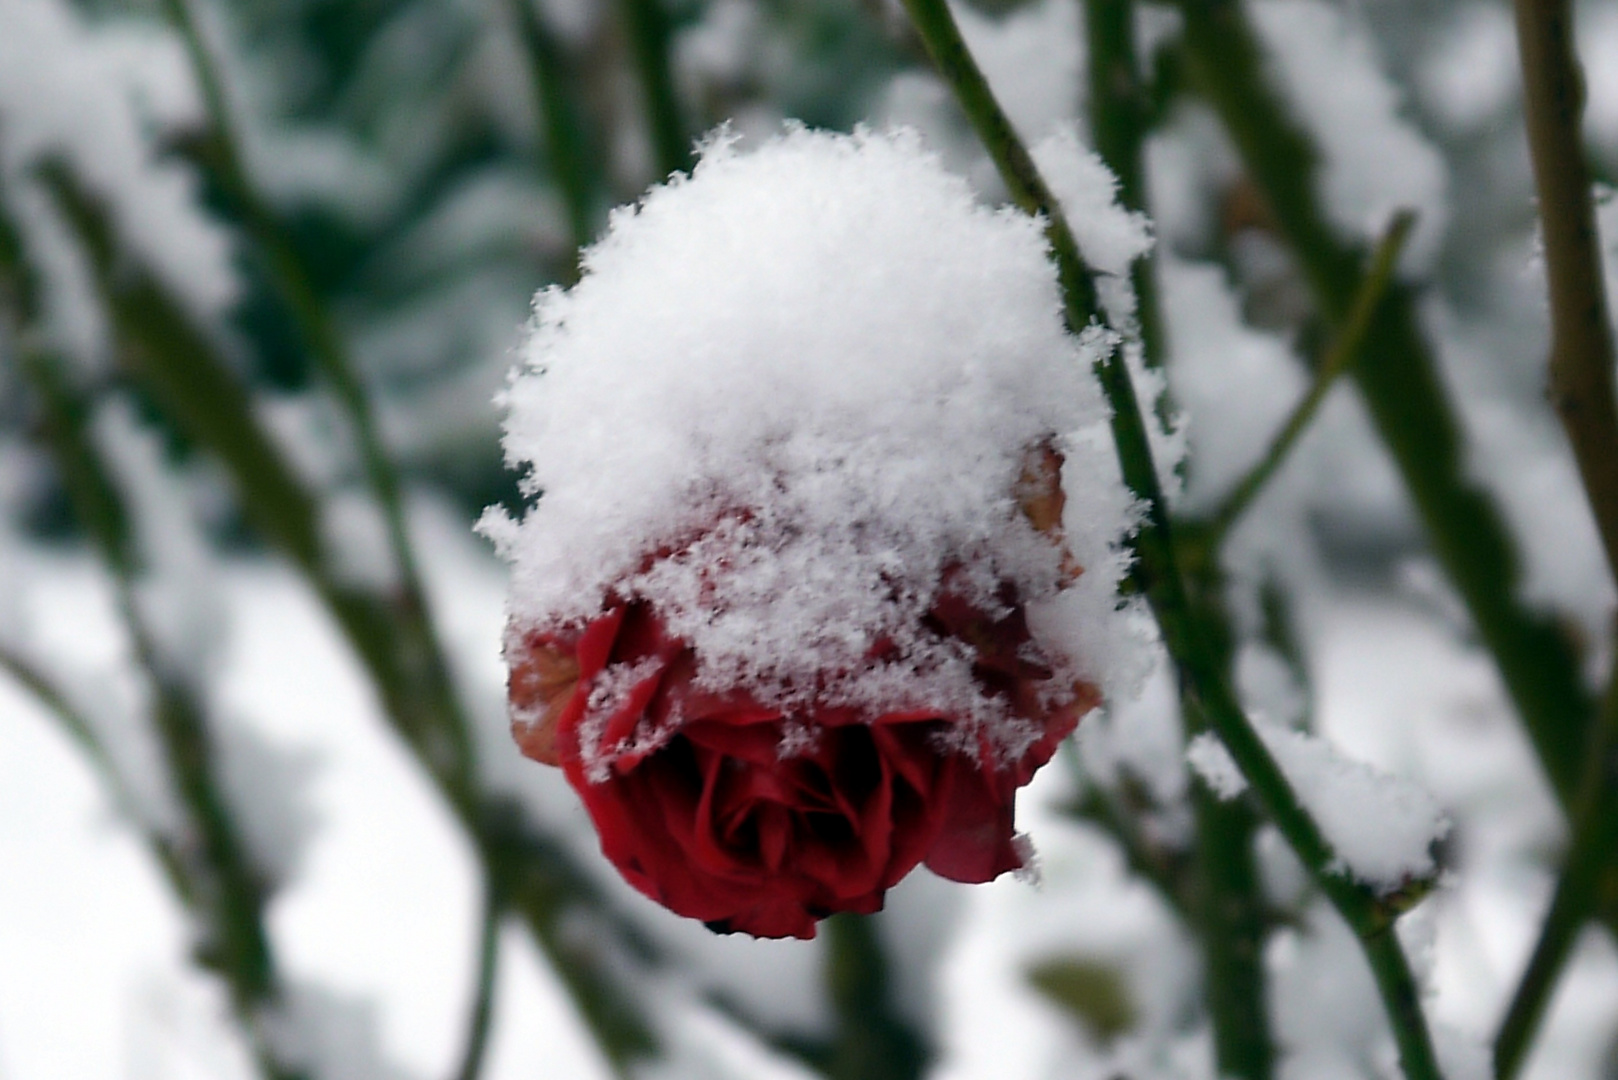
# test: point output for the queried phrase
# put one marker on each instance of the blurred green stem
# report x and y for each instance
(452, 747)
(871, 1041)
(562, 130)
(176, 363)
(31, 678)
(477, 1028)
(1397, 376)
(1157, 572)
(650, 38)
(214, 870)
(1589, 881)
(1345, 349)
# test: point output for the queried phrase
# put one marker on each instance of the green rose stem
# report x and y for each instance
(1235, 921)
(1588, 880)
(646, 26)
(1397, 378)
(1344, 351)
(1582, 355)
(1224, 900)
(176, 364)
(562, 131)
(1157, 570)
(1582, 391)
(871, 1042)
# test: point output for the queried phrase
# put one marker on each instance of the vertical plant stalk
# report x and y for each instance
(1158, 572)
(562, 131)
(1581, 383)
(1225, 901)
(442, 728)
(1582, 356)
(871, 1042)
(646, 25)
(1398, 379)
(478, 1023)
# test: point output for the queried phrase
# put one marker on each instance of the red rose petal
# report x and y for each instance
(700, 809)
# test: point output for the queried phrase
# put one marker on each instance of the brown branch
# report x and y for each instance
(1581, 360)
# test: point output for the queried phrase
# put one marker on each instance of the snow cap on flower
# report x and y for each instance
(790, 392)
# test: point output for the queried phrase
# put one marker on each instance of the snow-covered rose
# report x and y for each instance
(825, 558)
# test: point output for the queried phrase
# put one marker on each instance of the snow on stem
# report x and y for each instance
(1158, 571)
(1398, 379)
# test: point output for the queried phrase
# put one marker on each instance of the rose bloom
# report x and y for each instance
(760, 819)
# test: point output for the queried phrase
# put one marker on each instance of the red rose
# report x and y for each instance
(759, 821)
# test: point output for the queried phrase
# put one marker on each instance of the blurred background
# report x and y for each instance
(263, 266)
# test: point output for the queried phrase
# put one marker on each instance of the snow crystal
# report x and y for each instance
(91, 97)
(788, 393)
(1214, 764)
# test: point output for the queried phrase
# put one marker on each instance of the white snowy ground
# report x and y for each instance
(94, 982)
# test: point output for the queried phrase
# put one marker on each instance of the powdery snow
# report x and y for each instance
(1380, 827)
(787, 394)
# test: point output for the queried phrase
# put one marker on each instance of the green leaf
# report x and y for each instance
(1091, 991)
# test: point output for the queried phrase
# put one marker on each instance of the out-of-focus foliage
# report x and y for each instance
(262, 265)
